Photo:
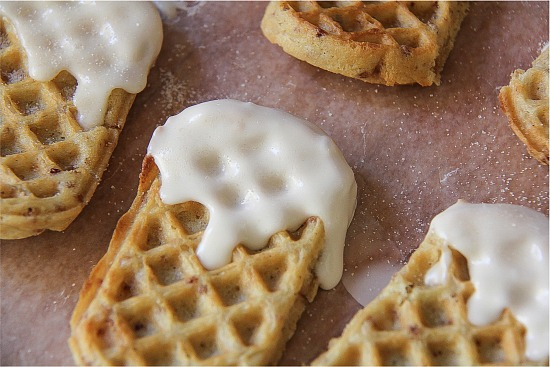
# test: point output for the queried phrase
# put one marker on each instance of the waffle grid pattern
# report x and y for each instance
(151, 302)
(49, 165)
(525, 102)
(411, 323)
(378, 42)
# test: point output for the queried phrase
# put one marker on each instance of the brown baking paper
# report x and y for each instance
(414, 151)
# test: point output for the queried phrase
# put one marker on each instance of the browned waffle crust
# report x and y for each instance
(525, 102)
(411, 323)
(149, 301)
(378, 42)
(49, 166)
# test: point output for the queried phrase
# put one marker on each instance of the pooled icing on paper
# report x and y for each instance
(258, 170)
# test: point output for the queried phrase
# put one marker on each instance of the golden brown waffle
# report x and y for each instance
(525, 102)
(378, 42)
(49, 166)
(149, 301)
(411, 323)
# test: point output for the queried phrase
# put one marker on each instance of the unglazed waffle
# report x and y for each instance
(378, 42)
(411, 323)
(525, 102)
(49, 166)
(149, 301)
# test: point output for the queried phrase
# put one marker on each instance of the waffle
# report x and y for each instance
(149, 301)
(49, 166)
(410, 323)
(377, 42)
(525, 102)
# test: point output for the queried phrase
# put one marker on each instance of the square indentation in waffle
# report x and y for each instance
(50, 130)
(8, 191)
(166, 266)
(65, 155)
(435, 309)
(180, 221)
(228, 287)
(13, 70)
(158, 354)
(272, 271)
(390, 15)
(247, 326)
(43, 187)
(407, 40)
(192, 217)
(141, 316)
(66, 85)
(126, 284)
(9, 142)
(26, 98)
(25, 166)
(351, 356)
(386, 317)
(153, 236)
(532, 83)
(204, 343)
(103, 333)
(425, 11)
(187, 303)
(394, 352)
(445, 350)
(497, 344)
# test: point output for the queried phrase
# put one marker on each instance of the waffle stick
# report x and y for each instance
(149, 301)
(49, 166)
(410, 323)
(377, 42)
(525, 102)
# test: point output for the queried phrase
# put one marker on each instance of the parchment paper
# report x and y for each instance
(414, 151)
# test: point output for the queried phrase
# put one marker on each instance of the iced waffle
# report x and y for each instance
(377, 42)
(149, 301)
(411, 323)
(49, 165)
(525, 102)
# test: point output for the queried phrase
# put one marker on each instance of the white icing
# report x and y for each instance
(258, 171)
(438, 272)
(507, 251)
(104, 45)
